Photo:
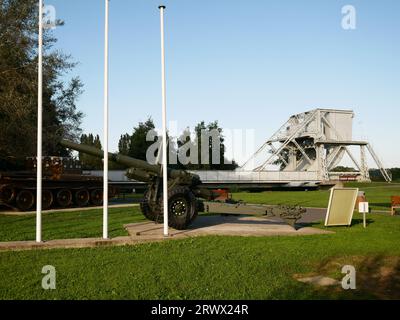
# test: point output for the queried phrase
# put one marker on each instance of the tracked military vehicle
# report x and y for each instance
(64, 185)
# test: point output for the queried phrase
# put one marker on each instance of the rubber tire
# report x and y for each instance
(184, 221)
(146, 210)
(25, 200)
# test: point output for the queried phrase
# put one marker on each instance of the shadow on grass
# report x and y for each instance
(308, 224)
(355, 222)
(217, 219)
(377, 277)
(321, 224)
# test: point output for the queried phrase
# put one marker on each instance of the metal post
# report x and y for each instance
(39, 129)
(363, 208)
(106, 100)
(364, 219)
(364, 165)
(164, 124)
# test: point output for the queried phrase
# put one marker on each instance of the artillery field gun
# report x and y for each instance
(64, 185)
(186, 194)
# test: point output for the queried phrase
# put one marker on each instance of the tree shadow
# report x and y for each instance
(212, 220)
(377, 277)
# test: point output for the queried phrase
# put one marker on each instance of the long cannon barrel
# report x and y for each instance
(115, 157)
(131, 163)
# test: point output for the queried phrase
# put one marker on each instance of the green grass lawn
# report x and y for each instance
(378, 196)
(214, 267)
(303, 198)
(68, 225)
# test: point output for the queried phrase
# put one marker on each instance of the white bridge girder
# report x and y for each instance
(315, 141)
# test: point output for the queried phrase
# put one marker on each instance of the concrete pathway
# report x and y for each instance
(64, 243)
(247, 226)
(27, 213)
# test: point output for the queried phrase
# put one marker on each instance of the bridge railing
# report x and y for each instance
(231, 176)
(262, 176)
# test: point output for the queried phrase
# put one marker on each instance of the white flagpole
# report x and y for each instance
(105, 166)
(164, 124)
(39, 129)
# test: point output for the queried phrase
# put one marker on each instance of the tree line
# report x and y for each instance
(374, 174)
(137, 144)
(18, 86)
(61, 119)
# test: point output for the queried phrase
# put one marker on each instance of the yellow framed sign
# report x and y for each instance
(341, 206)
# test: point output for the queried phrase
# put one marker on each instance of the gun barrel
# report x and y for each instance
(129, 162)
(118, 158)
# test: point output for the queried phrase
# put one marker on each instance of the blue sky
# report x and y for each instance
(249, 64)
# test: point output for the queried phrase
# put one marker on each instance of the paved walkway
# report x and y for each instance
(64, 243)
(27, 213)
(248, 226)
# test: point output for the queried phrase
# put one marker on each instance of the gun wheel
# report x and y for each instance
(182, 208)
(145, 208)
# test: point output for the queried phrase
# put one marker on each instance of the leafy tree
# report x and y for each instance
(395, 174)
(213, 134)
(124, 144)
(376, 175)
(18, 85)
(89, 162)
(136, 144)
(185, 146)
